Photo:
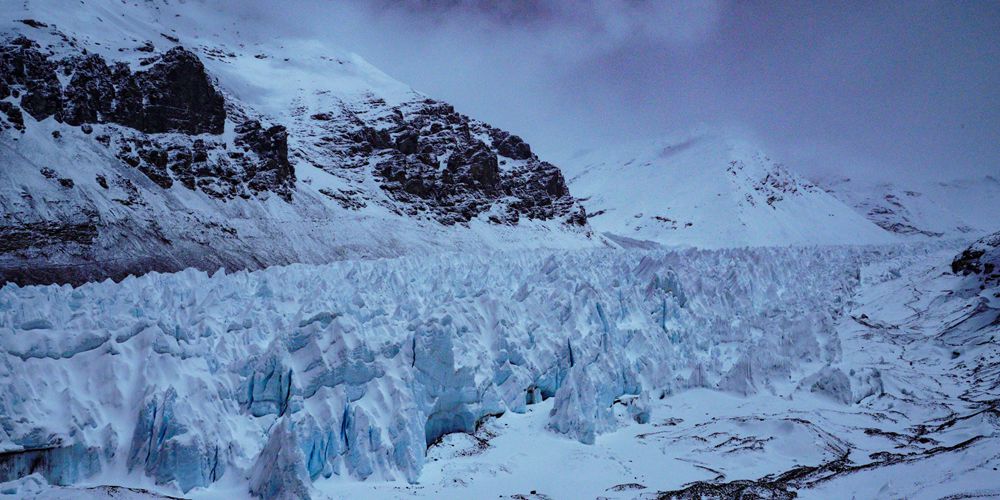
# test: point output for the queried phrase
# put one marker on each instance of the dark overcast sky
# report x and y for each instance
(882, 89)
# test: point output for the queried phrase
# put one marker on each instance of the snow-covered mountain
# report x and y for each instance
(524, 318)
(147, 136)
(961, 208)
(709, 190)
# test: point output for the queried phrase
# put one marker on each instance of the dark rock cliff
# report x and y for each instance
(165, 117)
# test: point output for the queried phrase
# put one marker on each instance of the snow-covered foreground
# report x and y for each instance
(926, 428)
(615, 374)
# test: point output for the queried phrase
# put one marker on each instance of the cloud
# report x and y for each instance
(877, 89)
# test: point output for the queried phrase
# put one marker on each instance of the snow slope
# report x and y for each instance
(345, 162)
(709, 190)
(190, 383)
(959, 208)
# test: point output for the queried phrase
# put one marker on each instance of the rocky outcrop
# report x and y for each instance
(772, 185)
(27, 73)
(37, 234)
(427, 157)
(259, 165)
(173, 95)
(981, 260)
(432, 160)
(90, 95)
(14, 117)
(213, 161)
(271, 170)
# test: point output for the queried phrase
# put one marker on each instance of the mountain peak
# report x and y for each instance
(709, 189)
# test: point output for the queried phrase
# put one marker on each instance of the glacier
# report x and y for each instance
(412, 303)
(353, 369)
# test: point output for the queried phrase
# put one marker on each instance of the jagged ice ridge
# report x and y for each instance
(356, 367)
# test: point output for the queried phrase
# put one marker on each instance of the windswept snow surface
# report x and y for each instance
(308, 379)
(709, 190)
(915, 209)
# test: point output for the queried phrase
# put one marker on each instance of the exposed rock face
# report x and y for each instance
(427, 157)
(981, 259)
(90, 95)
(14, 117)
(414, 159)
(272, 170)
(34, 234)
(26, 72)
(435, 161)
(773, 186)
(175, 95)
(511, 146)
(210, 165)
(892, 216)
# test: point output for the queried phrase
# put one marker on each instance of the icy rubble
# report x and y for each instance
(354, 368)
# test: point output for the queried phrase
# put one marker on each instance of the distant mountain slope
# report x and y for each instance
(709, 191)
(148, 136)
(958, 208)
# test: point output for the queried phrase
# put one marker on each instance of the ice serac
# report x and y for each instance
(279, 472)
(171, 448)
(584, 402)
(353, 369)
(123, 156)
(56, 463)
(832, 383)
(451, 399)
